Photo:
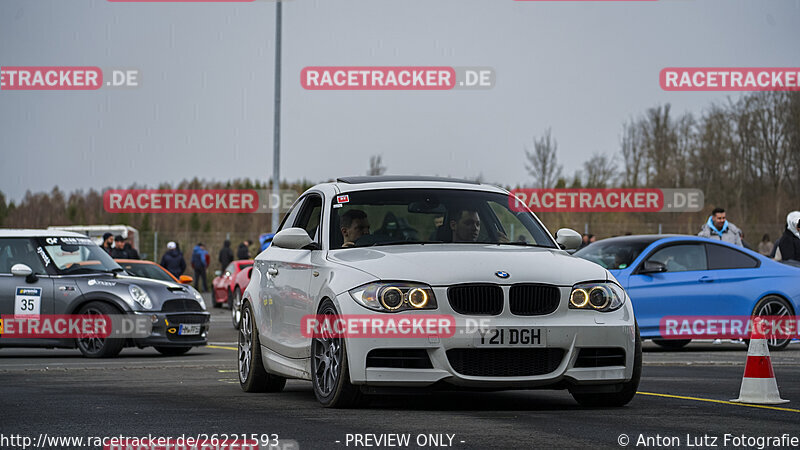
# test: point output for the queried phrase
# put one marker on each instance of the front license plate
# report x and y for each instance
(511, 337)
(189, 329)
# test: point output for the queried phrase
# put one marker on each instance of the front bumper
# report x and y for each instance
(166, 331)
(567, 332)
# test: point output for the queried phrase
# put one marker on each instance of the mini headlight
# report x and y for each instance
(604, 297)
(394, 297)
(200, 299)
(140, 296)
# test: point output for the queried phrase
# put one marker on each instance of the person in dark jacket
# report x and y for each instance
(225, 255)
(243, 252)
(173, 260)
(789, 243)
(132, 253)
(108, 242)
(118, 252)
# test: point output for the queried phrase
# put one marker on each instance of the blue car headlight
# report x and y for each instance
(601, 296)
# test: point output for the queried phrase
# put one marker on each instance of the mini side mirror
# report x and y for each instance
(21, 270)
(217, 273)
(568, 239)
(291, 238)
(186, 279)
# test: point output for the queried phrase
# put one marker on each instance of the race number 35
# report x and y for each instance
(28, 301)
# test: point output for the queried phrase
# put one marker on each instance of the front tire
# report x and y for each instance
(253, 377)
(96, 347)
(172, 351)
(772, 306)
(330, 374)
(236, 308)
(628, 391)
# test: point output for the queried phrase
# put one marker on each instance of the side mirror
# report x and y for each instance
(217, 273)
(186, 279)
(653, 267)
(21, 270)
(568, 239)
(291, 238)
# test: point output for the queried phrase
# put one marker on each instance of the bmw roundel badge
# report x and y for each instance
(502, 274)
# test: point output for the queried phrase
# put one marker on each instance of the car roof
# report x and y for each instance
(23, 233)
(367, 183)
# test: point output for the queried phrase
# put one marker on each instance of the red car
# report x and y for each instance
(223, 284)
(239, 285)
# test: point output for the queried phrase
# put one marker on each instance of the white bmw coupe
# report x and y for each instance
(374, 283)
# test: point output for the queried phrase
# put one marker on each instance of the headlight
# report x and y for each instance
(199, 298)
(603, 297)
(140, 296)
(394, 297)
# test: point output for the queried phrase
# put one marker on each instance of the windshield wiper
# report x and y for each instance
(81, 269)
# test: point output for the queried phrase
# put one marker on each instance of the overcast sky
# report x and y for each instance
(204, 107)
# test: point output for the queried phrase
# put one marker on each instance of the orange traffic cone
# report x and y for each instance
(758, 384)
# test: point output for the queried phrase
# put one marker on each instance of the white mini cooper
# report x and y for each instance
(513, 309)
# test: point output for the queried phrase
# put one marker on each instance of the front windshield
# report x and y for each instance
(424, 216)
(614, 253)
(78, 255)
(145, 270)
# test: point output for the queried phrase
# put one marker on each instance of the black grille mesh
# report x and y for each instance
(533, 299)
(476, 299)
(505, 362)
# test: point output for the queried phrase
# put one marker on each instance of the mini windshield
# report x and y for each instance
(431, 216)
(614, 253)
(78, 255)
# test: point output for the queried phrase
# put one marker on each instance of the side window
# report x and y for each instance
(682, 257)
(309, 216)
(290, 218)
(720, 257)
(19, 251)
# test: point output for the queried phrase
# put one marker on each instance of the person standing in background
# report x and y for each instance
(243, 252)
(789, 243)
(173, 260)
(199, 264)
(225, 255)
(765, 246)
(108, 242)
(719, 228)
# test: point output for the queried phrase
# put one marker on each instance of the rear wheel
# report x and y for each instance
(775, 307)
(330, 374)
(628, 391)
(253, 377)
(672, 344)
(97, 347)
(172, 351)
(236, 308)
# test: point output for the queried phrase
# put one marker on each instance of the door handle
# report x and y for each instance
(706, 279)
(272, 271)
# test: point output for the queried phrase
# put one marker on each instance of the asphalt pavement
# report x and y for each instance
(683, 401)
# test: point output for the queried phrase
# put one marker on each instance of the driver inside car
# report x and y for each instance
(354, 224)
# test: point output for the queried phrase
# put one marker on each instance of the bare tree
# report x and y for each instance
(633, 154)
(542, 162)
(599, 171)
(375, 165)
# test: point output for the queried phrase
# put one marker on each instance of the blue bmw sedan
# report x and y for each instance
(677, 275)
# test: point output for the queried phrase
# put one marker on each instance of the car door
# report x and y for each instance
(24, 295)
(734, 273)
(289, 273)
(685, 289)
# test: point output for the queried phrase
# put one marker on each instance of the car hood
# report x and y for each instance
(159, 291)
(446, 264)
